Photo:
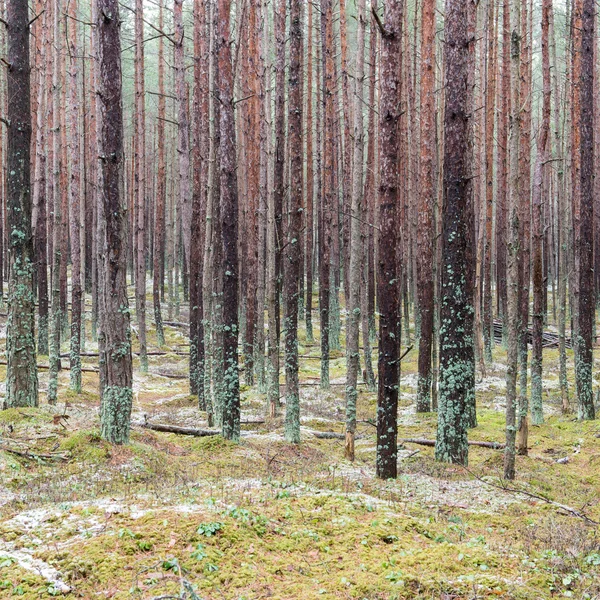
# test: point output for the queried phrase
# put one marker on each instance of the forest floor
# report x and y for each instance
(266, 519)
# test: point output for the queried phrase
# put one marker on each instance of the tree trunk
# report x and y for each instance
(387, 268)
(201, 150)
(291, 255)
(229, 221)
(57, 258)
(114, 339)
(21, 377)
(457, 367)
(425, 205)
(310, 183)
(161, 189)
(329, 192)
(75, 202)
(513, 311)
(587, 306)
(353, 294)
(537, 416)
(490, 109)
(140, 185)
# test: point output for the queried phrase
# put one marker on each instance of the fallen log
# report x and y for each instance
(328, 435)
(180, 430)
(431, 443)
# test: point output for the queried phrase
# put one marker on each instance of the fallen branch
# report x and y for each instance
(180, 430)
(34, 455)
(505, 488)
(493, 445)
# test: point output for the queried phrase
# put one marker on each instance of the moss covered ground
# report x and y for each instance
(265, 519)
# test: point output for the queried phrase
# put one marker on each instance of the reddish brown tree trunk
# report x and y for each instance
(425, 205)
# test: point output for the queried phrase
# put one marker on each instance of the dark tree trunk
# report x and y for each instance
(21, 377)
(387, 268)
(199, 199)
(457, 368)
(587, 306)
(329, 191)
(114, 339)
(229, 220)
(291, 255)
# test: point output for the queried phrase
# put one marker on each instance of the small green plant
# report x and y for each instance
(199, 553)
(144, 545)
(210, 529)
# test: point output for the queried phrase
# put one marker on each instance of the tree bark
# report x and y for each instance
(114, 339)
(587, 306)
(387, 268)
(457, 367)
(229, 221)
(328, 182)
(139, 216)
(75, 202)
(537, 416)
(161, 189)
(356, 247)
(425, 205)
(513, 310)
(21, 377)
(292, 255)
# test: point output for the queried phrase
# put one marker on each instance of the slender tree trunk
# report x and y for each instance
(140, 185)
(587, 306)
(183, 128)
(369, 214)
(513, 311)
(425, 205)
(502, 188)
(57, 166)
(251, 107)
(229, 214)
(457, 368)
(525, 221)
(490, 109)
(21, 377)
(199, 200)
(75, 201)
(310, 186)
(561, 234)
(329, 193)
(114, 339)
(354, 307)
(40, 234)
(537, 416)
(387, 268)
(161, 188)
(291, 256)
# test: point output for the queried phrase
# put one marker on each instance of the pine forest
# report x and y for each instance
(299, 299)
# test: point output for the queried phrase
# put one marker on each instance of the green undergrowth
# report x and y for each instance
(267, 519)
